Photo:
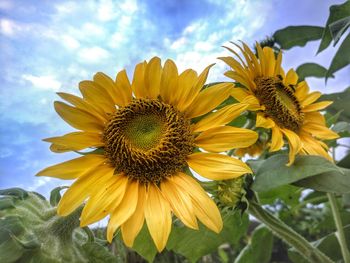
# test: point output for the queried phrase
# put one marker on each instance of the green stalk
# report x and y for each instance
(339, 225)
(288, 235)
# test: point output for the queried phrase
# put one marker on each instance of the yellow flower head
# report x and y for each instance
(283, 104)
(145, 136)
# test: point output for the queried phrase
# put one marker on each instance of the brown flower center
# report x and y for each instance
(148, 140)
(280, 103)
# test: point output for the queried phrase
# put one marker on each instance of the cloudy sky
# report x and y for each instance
(49, 46)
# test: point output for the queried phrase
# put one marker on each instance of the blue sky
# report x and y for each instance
(49, 46)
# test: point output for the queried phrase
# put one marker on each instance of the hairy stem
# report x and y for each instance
(288, 235)
(340, 231)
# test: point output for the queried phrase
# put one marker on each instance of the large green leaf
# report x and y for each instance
(340, 103)
(336, 12)
(98, 254)
(338, 28)
(328, 244)
(273, 172)
(259, 248)
(292, 36)
(342, 58)
(311, 70)
(332, 182)
(289, 194)
(194, 244)
(144, 245)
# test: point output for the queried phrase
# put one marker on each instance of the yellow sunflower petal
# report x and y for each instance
(209, 99)
(224, 138)
(84, 105)
(315, 116)
(217, 166)
(235, 65)
(204, 207)
(186, 81)
(317, 106)
(169, 88)
(108, 84)
(254, 59)
(261, 58)
(153, 75)
(291, 78)
(73, 168)
(301, 90)
(123, 90)
(75, 141)
(124, 210)
(245, 81)
(311, 98)
(319, 131)
(97, 95)
(82, 188)
(180, 203)
(202, 78)
(294, 144)
(158, 217)
(276, 139)
(253, 103)
(278, 67)
(313, 147)
(265, 122)
(77, 118)
(220, 117)
(138, 82)
(271, 61)
(133, 225)
(103, 202)
(240, 93)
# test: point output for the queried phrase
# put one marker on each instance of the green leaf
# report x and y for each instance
(55, 195)
(259, 248)
(345, 162)
(338, 28)
(342, 128)
(289, 194)
(336, 12)
(273, 172)
(340, 103)
(332, 182)
(292, 36)
(311, 70)
(328, 244)
(332, 119)
(193, 244)
(342, 58)
(144, 244)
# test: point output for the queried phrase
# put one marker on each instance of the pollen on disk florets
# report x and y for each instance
(148, 140)
(280, 103)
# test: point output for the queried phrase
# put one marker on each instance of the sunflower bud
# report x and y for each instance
(32, 232)
(231, 194)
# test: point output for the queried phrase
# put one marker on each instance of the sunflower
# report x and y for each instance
(145, 139)
(282, 104)
(253, 150)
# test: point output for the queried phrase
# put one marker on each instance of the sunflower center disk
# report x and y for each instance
(280, 103)
(148, 140)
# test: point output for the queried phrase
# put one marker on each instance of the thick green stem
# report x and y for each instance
(288, 235)
(338, 223)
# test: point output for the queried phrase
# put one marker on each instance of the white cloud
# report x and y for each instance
(70, 42)
(93, 55)
(43, 82)
(9, 27)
